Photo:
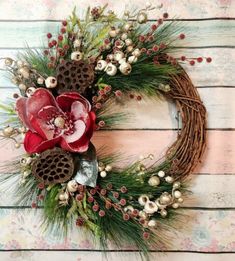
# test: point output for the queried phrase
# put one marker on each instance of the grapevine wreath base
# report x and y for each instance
(67, 92)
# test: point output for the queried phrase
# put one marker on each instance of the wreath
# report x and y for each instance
(67, 91)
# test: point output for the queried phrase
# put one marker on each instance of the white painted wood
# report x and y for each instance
(219, 72)
(148, 113)
(197, 231)
(42, 9)
(218, 193)
(198, 33)
(127, 256)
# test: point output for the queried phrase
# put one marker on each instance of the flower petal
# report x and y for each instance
(22, 112)
(79, 111)
(66, 100)
(34, 143)
(82, 144)
(80, 128)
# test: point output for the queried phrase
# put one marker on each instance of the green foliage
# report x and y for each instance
(38, 60)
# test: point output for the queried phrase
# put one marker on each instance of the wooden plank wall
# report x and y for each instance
(209, 234)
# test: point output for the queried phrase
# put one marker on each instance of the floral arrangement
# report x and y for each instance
(67, 92)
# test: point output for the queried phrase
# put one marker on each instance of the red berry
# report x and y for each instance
(63, 30)
(182, 36)
(49, 35)
(60, 38)
(165, 15)
(126, 217)
(160, 21)
(123, 189)
(101, 213)
(162, 46)
(46, 52)
(107, 88)
(50, 65)
(141, 38)
(103, 192)
(192, 62)
(208, 59)
(98, 105)
(116, 194)
(52, 58)
(41, 197)
(151, 38)
(92, 191)
(106, 41)
(199, 59)
(95, 207)
(183, 58)
(64, 23)
(108, 204)
(122, 202)
(149, 52)
(154, 27)
(138, 98)
(146, 235)
(54, 42)
(155, 48)
(33, 205)
(79, 197)
(132, 96)
(118, 93)
(50, 45)
(41, 186)
(142, 221)
(90, 199)
(66, 46)
(101, 124)
(80, 221)
(143, 50)
(109, 186)
(135, 212)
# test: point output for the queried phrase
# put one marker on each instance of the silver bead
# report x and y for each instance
(22, 87)
(177, 194)
(77, 43)
(125, 68)
(8, 131)
(176, 185)
(103, 174)
(108, 168)
(118, 55)
(180, 200)
(169, 179)
(72, 186)
(111, 69)
(132, 59)
(143, 199)
(124, 36)
(40, 80)
(101, 65)
(152, 223)
(51, 82)
(142, 18)
(163, 213)
(113, 33)
(150, 207)
(154, 181)
(128, 42)
(165, 198)
(8, 61)
(24, 71)
(175, 205)
(136, 52)
(76, 56)
(161, 174)
(30, 91)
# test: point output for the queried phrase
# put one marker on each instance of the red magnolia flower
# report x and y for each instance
(66, 121)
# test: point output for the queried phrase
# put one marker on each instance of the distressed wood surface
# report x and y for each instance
(217, 73)
(52, 9)
(214, 195)
(127, 256)
(209, 34)
(204, 231)
(21, 34)
(148, 113)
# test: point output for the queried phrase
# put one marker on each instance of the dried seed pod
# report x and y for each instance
(74, 76)
(53, 166)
